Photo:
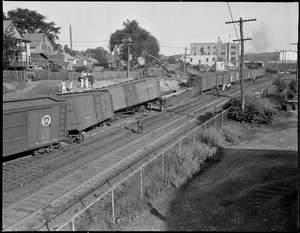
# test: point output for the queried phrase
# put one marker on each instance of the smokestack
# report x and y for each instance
(71, 38)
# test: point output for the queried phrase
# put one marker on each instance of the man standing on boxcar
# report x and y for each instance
(140, 125)
(63, 87)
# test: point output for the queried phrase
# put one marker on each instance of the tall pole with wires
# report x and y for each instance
(241, 21)
(184, 60)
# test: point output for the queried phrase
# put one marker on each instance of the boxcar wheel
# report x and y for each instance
(79, 138)
(42, 150)
(49, 148)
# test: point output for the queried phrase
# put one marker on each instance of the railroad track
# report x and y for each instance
(74, 185)
(25, 213)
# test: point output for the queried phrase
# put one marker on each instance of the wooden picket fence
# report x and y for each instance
(66, 75)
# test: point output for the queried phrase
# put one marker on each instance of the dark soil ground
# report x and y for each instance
(254, 187)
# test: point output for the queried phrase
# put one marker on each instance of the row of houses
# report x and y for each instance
(32, 50)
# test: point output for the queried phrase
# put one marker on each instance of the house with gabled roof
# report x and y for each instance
(21, 57)
(42, 50)
(82, 60)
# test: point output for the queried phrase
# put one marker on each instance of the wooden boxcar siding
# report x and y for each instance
(118, 97)
(153, 88)
(142, 91)
(87, 109)
(23, 128)
(210, 81)
(177, 97)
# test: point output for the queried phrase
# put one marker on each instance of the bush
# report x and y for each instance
(254, 112)
(186, 164)
(212, 137)
(232, 133)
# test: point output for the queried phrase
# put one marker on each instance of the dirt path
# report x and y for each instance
(19, 93)
(252, 188)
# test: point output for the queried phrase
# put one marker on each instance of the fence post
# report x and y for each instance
(73, 224)
(215, 121)
(205, 127)
(180, 146)
(222, 118)
(162, 165)
(194, 137)
(113, 205)
(141, 182)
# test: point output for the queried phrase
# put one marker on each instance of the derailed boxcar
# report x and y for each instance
(176, 97)
(134, 92)
(86, 109)
(32, 123)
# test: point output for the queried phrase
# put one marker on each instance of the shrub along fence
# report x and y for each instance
(66, 75)
(142, 180)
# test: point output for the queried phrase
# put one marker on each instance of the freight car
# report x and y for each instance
(84, 110)
(209, 81)
(129, 94)
(177, 97)
(204, 81)
(33, 123)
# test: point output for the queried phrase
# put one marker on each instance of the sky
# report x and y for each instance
(174, 24)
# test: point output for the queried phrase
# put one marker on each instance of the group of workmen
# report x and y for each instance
(84, 79)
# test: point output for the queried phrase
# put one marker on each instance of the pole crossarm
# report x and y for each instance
(243, 39)
(240, 21)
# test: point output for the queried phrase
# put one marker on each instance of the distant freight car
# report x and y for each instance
(203, 82)
(223, 78)
(33, 123)
(134, 92)
(84, 110)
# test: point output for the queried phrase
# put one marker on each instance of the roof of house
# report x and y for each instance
(82, 57)
(66, 63)
(35, 38)
(7, 23)
(68, 56)
(93, 59)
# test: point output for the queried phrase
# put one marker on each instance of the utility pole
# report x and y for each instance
(128, 44)
(71, 44)
(242, 56)
(184, 60)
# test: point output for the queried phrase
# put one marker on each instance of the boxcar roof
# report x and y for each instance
(20, 104)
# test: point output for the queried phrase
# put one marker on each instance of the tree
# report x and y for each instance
(141, 40)
(99, 54)
(32, 22)
(171, 60)
(7, 53)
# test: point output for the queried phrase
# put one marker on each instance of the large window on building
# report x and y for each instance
(206, 59)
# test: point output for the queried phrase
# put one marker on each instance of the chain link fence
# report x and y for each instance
(109, 209)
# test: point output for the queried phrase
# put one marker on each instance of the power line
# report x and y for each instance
(232, 20)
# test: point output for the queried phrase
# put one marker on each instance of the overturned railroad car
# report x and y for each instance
(177, 97)
(84, 110)
(134, 92)
(33, 124)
